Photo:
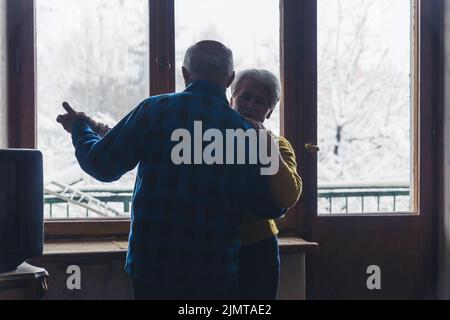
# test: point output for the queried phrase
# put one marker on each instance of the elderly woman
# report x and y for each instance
(255, 94)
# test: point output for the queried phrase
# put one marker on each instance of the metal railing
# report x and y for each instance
(388, 195)
(106, 196)
(70, 195)
(329, 195)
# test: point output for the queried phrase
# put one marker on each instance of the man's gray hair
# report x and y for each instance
(263, 77)
(211, 58)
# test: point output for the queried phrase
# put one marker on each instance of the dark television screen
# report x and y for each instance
(9, 217)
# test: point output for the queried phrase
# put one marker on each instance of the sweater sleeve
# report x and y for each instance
(286, 186)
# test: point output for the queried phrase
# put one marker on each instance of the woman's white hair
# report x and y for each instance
(211, 58)
(263, 77)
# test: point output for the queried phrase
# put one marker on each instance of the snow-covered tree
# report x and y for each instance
(364, 93)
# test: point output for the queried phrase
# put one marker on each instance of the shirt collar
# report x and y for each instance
(209, 87)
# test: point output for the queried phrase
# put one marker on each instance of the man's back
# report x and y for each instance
(185, 217)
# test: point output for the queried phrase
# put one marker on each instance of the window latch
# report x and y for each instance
(163, 63)
(312, 148)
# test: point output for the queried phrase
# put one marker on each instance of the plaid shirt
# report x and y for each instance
(185, 218)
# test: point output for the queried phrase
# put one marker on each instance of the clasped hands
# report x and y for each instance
(271, 143)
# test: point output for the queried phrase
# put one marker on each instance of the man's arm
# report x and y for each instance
(108, 158)
(99, 128)
(259, 199)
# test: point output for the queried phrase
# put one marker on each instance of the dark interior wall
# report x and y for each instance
(103, 276)
(444, 252)
(3, 76)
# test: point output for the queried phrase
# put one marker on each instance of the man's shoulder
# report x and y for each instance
(172, 99)
(160, 99)
(158, 103)
(199, 102)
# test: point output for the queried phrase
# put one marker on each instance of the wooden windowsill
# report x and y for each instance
(117, 249)
(292, 245)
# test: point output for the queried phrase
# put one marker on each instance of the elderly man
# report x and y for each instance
(184, 240)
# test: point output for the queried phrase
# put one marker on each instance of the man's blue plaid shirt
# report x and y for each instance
(185, 218)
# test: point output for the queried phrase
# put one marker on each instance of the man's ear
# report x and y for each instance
(269, 114)
(230, 81)
(186, 76)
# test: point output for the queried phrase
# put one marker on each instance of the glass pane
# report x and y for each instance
(3, 77)
(93, 54)
(250, 28)
(365, 106)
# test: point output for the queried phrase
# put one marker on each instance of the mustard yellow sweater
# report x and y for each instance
(286, 187)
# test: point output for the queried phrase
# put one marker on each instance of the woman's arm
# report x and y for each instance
(286, 186)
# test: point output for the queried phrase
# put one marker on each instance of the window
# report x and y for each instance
(95, 55)
(250, 28)
(365, 106)
(3, 77)
(102, 42)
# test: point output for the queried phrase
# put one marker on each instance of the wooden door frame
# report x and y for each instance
(301, 127)
(299, 78)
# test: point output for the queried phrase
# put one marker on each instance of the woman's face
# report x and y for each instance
(252, 100)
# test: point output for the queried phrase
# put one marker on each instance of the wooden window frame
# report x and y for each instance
(21, 74)
(299, 51)
(297, 46)
(22, 104)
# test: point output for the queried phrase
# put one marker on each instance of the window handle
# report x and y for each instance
(163, 63)
(312, 148)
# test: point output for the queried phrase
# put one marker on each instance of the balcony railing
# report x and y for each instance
(333, 199)
(117, 200)
(357, 198)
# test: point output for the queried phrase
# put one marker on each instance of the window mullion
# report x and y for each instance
(162, 46)
(22, 74)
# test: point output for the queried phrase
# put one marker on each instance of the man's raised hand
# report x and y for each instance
(68, 108)
(67, 120)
